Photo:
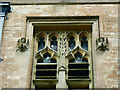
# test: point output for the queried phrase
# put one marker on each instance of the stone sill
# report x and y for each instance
(78, 83)
(45, 81)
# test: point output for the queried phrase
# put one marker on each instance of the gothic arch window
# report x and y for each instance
(41, 38)
(71, 40)
(41, 43)
(73, 47)
(84, 36)
(84, 43)
(54, 41)
(46, 68)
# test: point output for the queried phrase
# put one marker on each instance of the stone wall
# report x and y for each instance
(16, 72)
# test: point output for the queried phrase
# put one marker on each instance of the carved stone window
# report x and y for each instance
(67, 51)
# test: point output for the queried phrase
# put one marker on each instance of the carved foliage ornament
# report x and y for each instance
(63, 44)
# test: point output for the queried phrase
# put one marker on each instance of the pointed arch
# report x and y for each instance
(41, 37)
(84, 36)
(53, 38)
(72, 37)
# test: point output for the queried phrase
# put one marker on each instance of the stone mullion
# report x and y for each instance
(47, 42)
(62, 62)
(78, 41)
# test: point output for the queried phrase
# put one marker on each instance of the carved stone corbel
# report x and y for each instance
(102, 44)
(22, 44)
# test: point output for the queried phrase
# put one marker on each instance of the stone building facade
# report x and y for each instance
(27, 19)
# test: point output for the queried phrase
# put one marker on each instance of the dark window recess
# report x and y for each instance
(47, 57)
(78, 57)
(53, 60)
(71, 43)
(39, 61)
(41, 43)
(81, 87)
(37, 87)
(78, 66)
(46, 73)
(78, 73)
(46, 77)
(71, 60)
(54, 43)
(78, 77)
(85, 60)
(46, 66)
(84, 43)
(5, 9)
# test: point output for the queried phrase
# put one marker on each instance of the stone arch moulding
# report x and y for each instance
(33, 22)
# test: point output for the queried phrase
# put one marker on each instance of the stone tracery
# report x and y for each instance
(62, 51)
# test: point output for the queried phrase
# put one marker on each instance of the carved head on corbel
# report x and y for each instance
(22, 44)
(102, 44)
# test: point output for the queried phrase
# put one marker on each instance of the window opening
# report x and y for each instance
(78, 57)
(54, 43)
(78, 65)
(47, 57)
(84, 60)
(84, 43)
(39, 61)
(41, 43)
(53, 60)
(71, 42)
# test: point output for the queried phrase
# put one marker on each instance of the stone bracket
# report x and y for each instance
(102, 44)
(22, 44)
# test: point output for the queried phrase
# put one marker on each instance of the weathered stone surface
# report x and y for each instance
(15, 70)
(59, 1)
